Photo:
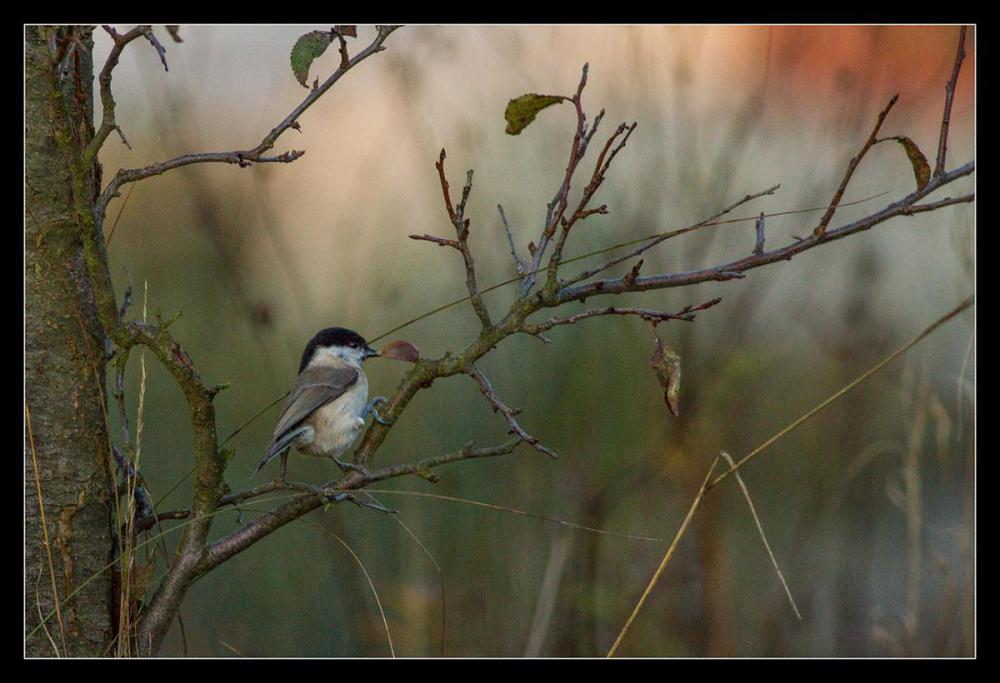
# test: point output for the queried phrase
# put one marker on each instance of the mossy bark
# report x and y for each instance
(64, 362)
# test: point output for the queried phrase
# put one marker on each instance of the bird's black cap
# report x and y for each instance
(332, 336)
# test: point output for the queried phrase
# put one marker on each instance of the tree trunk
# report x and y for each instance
(66, 442)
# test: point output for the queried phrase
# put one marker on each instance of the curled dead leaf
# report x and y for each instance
(401, 350)
(921, 169)
(667, 365)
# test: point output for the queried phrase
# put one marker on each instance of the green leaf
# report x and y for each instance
(667, 365)
(521, 111)
(921, 169)
(306, 49)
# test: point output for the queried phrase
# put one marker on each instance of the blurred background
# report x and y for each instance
(868, 507)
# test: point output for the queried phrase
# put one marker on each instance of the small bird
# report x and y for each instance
(328, 405)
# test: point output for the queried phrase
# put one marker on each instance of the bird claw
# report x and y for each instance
(346, 467)
(374, 413)
(342, 496)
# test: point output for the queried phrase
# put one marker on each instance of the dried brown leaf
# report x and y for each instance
(667, 365)
(401, 350)
(921, 169)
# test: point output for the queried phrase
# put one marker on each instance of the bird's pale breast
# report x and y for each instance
(336, 424)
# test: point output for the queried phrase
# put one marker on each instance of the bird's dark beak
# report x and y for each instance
(370, 352)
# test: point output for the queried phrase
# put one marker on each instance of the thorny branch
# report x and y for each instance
(196, 555)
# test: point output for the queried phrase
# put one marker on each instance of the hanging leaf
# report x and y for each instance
(306, 49)
(921, 169)
(348, 30)
(667, 365)
(521, 111)
(174, 31)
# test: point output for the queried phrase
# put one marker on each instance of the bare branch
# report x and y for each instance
(828, 216)
(461, 225)
(508, 413)
(711, 220)
(904, 207)
(518, 261)
(758, 247)
(553, 216)
(244, 157)
(581, 213)
(440, 241)
(157, 45)
(686, 314)
(108, 123)
(948, 99)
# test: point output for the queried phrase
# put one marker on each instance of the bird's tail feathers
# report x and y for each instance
(279, 445)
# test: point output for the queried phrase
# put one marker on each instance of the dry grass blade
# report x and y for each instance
(430, 556)
(128, 555)
(45, 528)
(38, 607)
(666, 559)
(545, 606)
(121, 210)
(231, 648)
(760, 529)
(515, 511)
(152, 539)
(843, 390)
(371, 584)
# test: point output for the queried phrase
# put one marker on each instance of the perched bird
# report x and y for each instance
(328, 404)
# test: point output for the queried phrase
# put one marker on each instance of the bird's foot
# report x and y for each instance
(378, 400)
(343, 495)
(331, 497)
(350, 467)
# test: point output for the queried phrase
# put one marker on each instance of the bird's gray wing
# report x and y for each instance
(315, 387)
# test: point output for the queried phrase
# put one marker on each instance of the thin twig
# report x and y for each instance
(670, 234)
(758, 247)
(243, 157)
(561, 199)
(948, 99)
(828, 216)
(518, 261)
(904, 207)
(686, 314)
(508, 413)
(456, 215)
(108, 122)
